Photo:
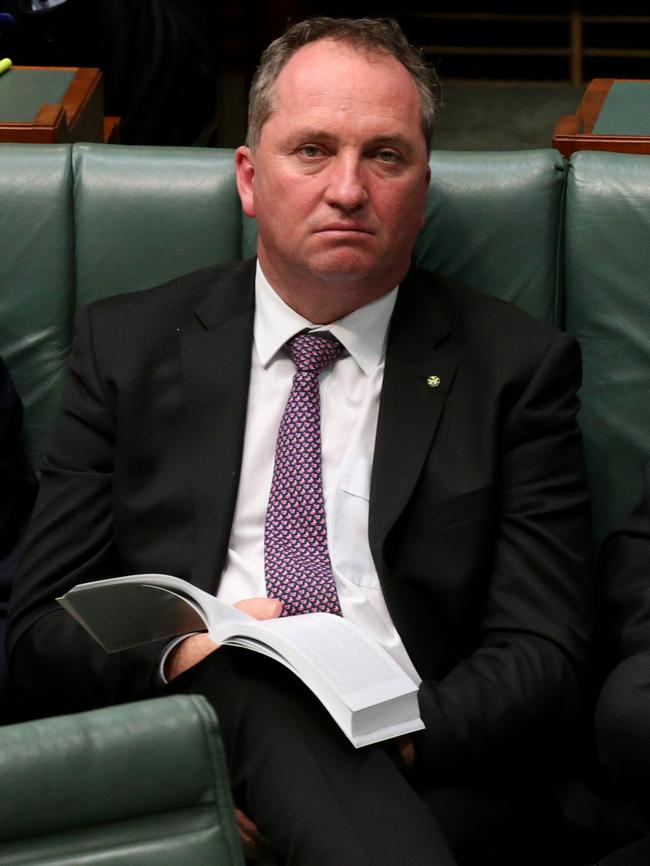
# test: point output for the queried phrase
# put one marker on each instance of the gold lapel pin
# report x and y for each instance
(433, 381)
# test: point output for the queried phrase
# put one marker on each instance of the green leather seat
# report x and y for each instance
(494, 222)
(608, 310)
(86, 221)
(142, 784)
(37, 277)
(565, 241)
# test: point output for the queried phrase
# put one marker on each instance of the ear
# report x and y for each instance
(427, 182)
(245, 173)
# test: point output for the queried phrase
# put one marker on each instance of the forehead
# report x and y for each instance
(337, 78)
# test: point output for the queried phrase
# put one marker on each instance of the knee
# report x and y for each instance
(622, 718)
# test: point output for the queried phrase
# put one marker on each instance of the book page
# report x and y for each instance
(123, 612)
(367, 693)
(355, 667)
(133, 614)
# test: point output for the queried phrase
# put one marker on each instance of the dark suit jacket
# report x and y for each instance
(478, 513)
(623, 710)
(624, 585)
(17, 494)
(622, 717)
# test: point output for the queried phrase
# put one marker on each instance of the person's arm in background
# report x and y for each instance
(54, 664)
(623, 709)
(17, 493)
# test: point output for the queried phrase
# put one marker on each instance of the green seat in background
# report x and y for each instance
(607, 261)
(142, 784)
(566, 241)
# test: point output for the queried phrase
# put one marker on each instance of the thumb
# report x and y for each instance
(260, 608)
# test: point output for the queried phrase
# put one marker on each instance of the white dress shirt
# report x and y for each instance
(349, 392)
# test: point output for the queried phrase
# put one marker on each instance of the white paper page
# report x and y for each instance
(351, 662)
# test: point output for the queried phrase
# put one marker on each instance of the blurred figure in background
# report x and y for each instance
(157, 56)
(622, 721)
(17, 494)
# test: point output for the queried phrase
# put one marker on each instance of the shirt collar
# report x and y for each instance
(363, 332)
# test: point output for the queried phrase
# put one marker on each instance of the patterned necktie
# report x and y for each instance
(296, 560)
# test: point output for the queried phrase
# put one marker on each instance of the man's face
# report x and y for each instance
(338, 181)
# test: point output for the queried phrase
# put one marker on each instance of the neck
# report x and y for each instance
(324, 301)
(322, 311)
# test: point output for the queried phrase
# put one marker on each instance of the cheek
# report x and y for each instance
(408, 212)
(289, 201)
(399, 217)
(396, 201)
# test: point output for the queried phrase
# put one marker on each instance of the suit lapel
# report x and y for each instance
(216, 357)
(420, 366)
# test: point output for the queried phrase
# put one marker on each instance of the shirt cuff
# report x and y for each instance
(162, 679)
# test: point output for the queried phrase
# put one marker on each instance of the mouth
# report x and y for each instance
(342, 228)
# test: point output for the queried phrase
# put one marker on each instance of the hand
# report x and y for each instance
(406, 748)
(260, 608)
(187, 653)
(249, 835)
(196, 647)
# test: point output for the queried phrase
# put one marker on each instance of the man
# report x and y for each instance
(622, 721)
(454, 500)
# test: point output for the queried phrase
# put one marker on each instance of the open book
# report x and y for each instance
(365, 691)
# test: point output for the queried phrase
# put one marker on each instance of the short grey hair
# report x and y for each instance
(375, 35)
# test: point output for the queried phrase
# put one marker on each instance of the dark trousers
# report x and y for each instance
(622, 722)
(317, 801)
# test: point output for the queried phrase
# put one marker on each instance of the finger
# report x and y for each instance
(188, 653)
(406, 748)
(251, 846)
(245, 824)
(248, 834)
(260, 608)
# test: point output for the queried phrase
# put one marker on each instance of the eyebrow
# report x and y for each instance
(397, 140)
(317, 134)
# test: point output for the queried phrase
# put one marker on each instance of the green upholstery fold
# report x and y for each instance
(493, 221)
(142, 783)
(608, 309)
(37, 281)
(144, 215)
(80, 222)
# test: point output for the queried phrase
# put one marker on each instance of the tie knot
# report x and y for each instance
(312, 352)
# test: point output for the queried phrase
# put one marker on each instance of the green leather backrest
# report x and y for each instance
(37, 282)
(144, 215)
(493, 221)
(85, 221)
(607, 259)
(142, 784)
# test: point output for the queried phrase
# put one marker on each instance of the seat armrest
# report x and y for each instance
(141, 783)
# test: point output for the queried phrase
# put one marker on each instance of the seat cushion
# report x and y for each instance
(142, 784)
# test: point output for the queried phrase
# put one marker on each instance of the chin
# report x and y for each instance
(344, 267)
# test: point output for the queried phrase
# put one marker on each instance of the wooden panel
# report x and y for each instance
(575, 131)
(78, 117)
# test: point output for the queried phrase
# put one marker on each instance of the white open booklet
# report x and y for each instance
(365, 691)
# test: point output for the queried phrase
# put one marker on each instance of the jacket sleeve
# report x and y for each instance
(623, 708)
(520, 684)
(54, 663)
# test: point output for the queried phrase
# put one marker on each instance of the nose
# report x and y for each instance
(346, 188)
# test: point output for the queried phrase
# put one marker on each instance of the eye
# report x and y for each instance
(310, 151)
(387, 156)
